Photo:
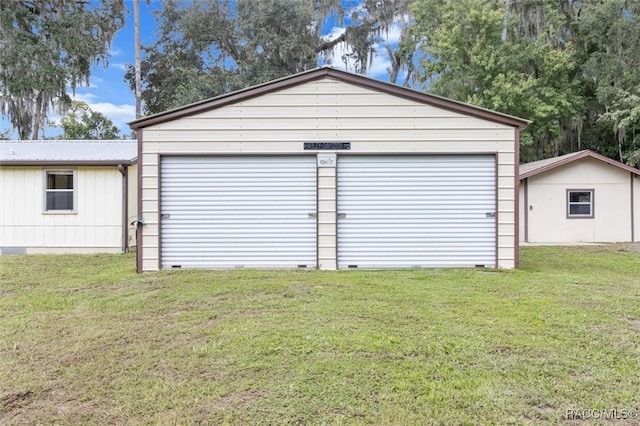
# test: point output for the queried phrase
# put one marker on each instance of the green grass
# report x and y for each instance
(84, 340)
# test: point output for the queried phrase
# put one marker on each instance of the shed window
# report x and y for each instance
(580, 203)
(59, 193)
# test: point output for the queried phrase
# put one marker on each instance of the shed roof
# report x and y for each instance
(68, 152)
(541, 166)
(327, 72)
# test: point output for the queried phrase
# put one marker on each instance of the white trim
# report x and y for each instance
(45, 190)
(589, 203)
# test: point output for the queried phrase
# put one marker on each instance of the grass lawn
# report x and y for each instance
(84, 340)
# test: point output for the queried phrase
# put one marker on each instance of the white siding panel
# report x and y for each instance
(416, 211)
(547, 209)
(96, 226)
(226, 212)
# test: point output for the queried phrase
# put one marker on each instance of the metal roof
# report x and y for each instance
(327, 72)
(68, 152)
(541, 166)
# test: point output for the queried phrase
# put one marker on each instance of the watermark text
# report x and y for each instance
(601, 414)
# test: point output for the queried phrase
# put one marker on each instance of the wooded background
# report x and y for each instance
(569, 66)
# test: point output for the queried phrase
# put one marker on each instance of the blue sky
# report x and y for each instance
(108, 94)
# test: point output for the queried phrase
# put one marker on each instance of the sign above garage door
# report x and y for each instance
(416, 211)
(230, 212)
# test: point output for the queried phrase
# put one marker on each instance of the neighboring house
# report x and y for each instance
(327, 169)
(579, 197)
(67, 196)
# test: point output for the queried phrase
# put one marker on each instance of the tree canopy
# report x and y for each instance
(47, 46)
(569, 66)
(81, 122)
(206, 48)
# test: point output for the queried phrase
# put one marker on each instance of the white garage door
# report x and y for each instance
(416, 211)
(230, 212)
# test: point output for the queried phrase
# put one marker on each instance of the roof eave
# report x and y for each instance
(58, 163)
(576, 157)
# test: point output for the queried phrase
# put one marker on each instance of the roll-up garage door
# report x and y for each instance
(230, 212)
(416, 211)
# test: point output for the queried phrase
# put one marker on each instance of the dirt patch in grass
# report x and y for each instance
(635, 323)
(14, 400)
(239, 400)
(68, 408)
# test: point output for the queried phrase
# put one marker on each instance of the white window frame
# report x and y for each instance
(590, 203)
(46, 190)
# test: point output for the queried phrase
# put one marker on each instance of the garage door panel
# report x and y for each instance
(416, 211)
(229, 212)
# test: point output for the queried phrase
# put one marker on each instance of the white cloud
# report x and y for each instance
(119, 66)
(120, 114)
(95, 82)
(117, 113)
(392, 35)
(335, 33)
(85, 97)
(380, 63)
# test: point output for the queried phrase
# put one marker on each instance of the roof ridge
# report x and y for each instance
(317, 73)
(536, 167)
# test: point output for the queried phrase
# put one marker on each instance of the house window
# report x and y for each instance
(580, 203)
(59, 193)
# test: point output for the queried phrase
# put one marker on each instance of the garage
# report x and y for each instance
(416, 211)
(327, 170)
(236, 212)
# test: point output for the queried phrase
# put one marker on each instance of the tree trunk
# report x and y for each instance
(136, 35)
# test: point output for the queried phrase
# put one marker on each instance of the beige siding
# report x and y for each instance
(327, 204)
(95, 227)
(547, 205)
(328, 110)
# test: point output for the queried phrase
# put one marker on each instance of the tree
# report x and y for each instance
(569, 66)
(136, 65)
(46, 45)
(80, 122)
(609, 40)
(476, 55)
(206, 48)
(5, 135)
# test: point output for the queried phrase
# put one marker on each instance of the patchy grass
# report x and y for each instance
(84, 340)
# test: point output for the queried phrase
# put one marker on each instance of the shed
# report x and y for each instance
(327, 169)
(582, 197)
(63, 196)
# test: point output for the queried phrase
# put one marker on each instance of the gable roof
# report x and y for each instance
(327, 72)
(541, 166)
(68, 152)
